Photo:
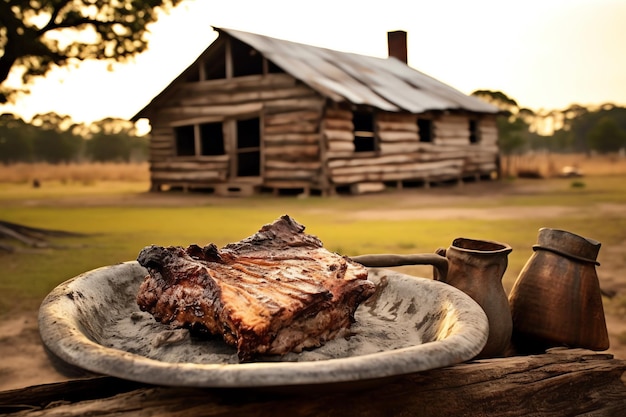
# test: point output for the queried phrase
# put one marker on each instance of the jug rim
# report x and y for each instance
(592, 242)
(568, 244)
(481, 246)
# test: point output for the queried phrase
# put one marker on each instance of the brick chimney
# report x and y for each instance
(396, 42)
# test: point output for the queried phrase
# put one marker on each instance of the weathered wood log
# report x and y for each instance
(188, 176)
(451, 118)
(397, 117)
(558, 383)
(387, 148)
(408, 126)
(342, 155)
(236, 97)
(290, 174)
(402, 175)
(312, 165)
(380, 160)
(451, 141)
(291, 117)
(313, 102)
(340, 146)
(339, 124)
(440, 156)
(159, 154)
(161, 145)
(294, 151)
(182, 166)
(466, 148)
(409, 167)
(338, 114)
(398, 136)
(223, 110)
(301, 126)
(343, 135)
(291, 138)
(237, 83)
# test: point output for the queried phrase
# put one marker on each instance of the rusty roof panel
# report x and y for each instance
(386, 84)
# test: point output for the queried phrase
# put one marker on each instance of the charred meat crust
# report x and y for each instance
(274, 292)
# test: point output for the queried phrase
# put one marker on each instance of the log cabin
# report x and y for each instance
(257, 114)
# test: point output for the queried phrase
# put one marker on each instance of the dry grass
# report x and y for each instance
(542, 164)
(86, 173)
(551, 165)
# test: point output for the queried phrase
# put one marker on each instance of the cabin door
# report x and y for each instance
(248, 148)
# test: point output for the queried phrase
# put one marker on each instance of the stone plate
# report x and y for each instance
(410, 324)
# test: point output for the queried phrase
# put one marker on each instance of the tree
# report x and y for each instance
(512, 122)
(606, 136)
(53, 143)
(498, 99)
(16, 139)
(100, 29)
(113, 140)
(580, 122)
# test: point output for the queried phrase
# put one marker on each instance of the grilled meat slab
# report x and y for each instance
(275, 292)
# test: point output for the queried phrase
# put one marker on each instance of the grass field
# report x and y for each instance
(117, 219)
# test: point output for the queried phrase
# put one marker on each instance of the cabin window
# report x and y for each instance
(249, 147)
(474, 136)
(364, 139)
(246, 60)
(211, 139)
(185, 140)
(425, 130)
(209, 142)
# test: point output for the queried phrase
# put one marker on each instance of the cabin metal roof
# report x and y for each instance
(384, 83)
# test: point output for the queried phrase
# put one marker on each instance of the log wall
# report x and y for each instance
(290, 115)
(305, 145)
(452, 140)
(402, 156)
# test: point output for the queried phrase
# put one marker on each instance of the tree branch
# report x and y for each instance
(53, 17)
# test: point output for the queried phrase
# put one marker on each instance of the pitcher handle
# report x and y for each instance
(440, 263)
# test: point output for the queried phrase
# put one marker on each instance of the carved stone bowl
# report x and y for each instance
(92, 323)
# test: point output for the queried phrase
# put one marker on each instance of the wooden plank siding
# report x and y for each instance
(308, 143)
(253, 113)
(289, 113)
(401, 156)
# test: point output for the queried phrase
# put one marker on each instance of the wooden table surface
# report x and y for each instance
(562, 382)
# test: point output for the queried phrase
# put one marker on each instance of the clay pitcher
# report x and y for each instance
(556, 299)
(476, 267)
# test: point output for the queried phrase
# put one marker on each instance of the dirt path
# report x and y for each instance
(23, 361)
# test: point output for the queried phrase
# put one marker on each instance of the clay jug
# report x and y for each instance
(476, 267)
(556, 299)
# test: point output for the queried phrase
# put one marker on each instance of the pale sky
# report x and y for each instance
(545, 54)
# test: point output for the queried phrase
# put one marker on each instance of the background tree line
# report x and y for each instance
(56, 139)
(28, 45)
(576, 129)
